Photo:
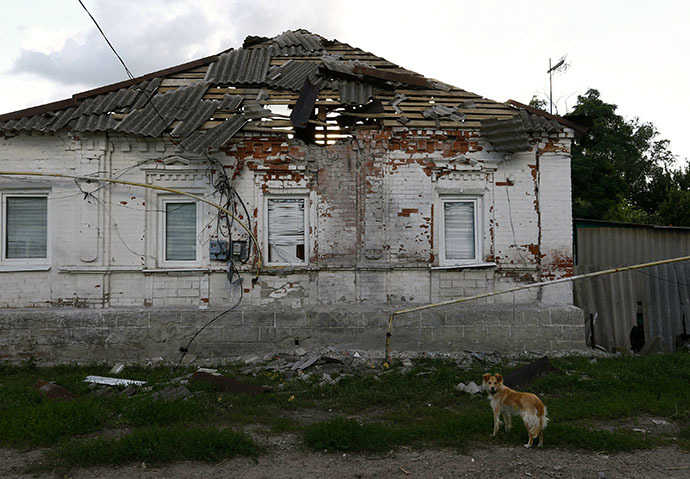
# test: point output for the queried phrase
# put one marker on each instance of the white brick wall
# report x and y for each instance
(105, 252)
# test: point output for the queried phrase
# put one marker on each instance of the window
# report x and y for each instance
(180, 231)
(460, 231)
(25, 228)
(286, 231)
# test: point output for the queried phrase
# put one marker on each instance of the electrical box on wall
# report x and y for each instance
(218, 250)
(238, 250)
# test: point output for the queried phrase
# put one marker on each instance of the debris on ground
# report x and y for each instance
(469, 388)
(106, 381)
(53, 391)
(527, 373)
(117, 369)
(171, 393)
(228, 385)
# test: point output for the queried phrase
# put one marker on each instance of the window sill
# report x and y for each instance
(16, 268)
(465, 266)
(176, 270)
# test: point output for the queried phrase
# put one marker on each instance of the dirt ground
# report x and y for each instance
(288, 461)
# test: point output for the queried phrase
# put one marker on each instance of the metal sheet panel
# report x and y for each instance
(302, 38)
(354, 93)
(196, 118)
(201, 142)
(292, 74)
(507, 135)
(102, 122)
(663, 290)
(163, 109)
(241, 66)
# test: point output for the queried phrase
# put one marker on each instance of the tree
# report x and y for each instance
(537, 102)
(622, 172)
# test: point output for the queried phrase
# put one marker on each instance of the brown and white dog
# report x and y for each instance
(511, 403)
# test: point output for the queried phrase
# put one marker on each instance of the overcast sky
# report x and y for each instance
(634, 52)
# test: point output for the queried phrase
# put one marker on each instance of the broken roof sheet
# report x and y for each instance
(193, 101)
(155, 116)
(512, 134)
(302, 38)
(291, 75)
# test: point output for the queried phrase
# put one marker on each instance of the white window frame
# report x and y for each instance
(163, 202)
(10, 262)
(478, 230)
(302, 197)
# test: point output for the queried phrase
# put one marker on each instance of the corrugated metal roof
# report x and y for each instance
(352, 92)
(437, 112)
(511, 134)
(231, 102)
(507, 135)
(196, 118)
(201, 142)
(162, 110)
(291, 75)
(536, 123)
(241, 66)
(100, 122)
(148, 105)
(307, 40)
(292, 51)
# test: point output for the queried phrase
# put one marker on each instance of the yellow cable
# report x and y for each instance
(519, 288)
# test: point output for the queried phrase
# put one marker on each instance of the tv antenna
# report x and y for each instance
(561, 66)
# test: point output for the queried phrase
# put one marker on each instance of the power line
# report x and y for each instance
(129, 73)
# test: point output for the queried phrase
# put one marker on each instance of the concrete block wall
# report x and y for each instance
(135, 335)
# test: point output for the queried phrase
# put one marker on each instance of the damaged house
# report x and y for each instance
(350, 187)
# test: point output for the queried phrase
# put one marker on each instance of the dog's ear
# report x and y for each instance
(499, 378)
(486, 377)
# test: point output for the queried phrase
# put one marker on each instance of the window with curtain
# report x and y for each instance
(460, 231)
(26, 227)
(286, 230)
(180, 231)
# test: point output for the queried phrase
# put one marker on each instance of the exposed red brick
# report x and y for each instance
(407, 211)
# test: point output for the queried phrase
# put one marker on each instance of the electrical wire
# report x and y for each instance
(679, 283)
(185, 349)
(129, 73)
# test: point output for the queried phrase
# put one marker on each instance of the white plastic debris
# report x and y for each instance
(469, 388)
(112, 381)
(117, 369)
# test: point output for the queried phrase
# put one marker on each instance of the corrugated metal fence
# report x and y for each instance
(663, 291)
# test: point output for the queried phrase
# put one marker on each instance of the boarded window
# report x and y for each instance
(26, 226)
(180, 231)
(460, 230)
(286, 231)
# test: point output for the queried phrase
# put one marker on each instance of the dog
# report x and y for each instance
(510, 403)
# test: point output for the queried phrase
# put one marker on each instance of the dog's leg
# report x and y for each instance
(497, 421)
(541, 438)
(529, 443)
(507, 421)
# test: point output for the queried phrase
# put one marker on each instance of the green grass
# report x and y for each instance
(361, 413)
(153, 445)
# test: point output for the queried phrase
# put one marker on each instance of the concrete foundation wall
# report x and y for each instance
(62, 335)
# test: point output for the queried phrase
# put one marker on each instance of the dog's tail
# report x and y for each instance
(543, 420)
(535, 420)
